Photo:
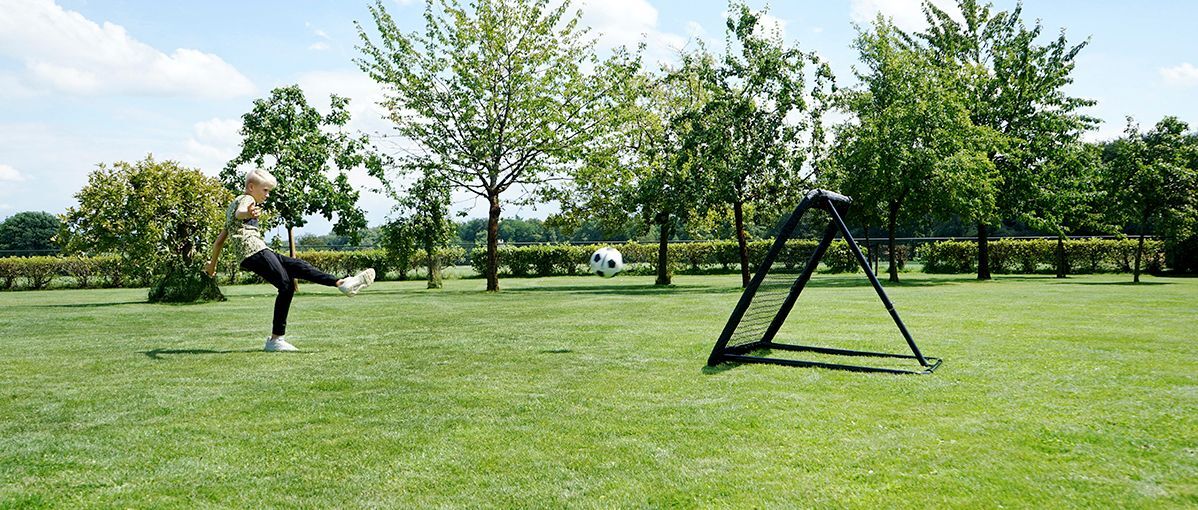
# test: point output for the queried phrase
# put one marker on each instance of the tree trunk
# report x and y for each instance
(291, 245)
(434, 266)
(663, 247)
(983, 252)
(1139, 250)
(869, 251)
(1060, 256)
(493, 245)
(890, 228)
(738, 209)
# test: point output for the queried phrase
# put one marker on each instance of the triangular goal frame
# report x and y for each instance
(837, 206)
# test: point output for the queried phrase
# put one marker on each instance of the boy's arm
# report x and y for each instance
(246, 210)
(216, 248)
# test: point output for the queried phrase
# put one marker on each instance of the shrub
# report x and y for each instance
(9, 272)
(39, 271)
(1027, 256)
(184, 285)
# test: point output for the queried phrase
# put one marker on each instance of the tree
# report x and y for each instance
(644, 170)
(424, 210)
(1016, 87)
(753, 127)
(908, 133)
(1069, 197)
(1153, 180)
(29, 233)
(397, 240)
(301, 147)
(158, 216)
(494, 94)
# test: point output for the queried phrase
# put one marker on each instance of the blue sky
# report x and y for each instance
(86, 81)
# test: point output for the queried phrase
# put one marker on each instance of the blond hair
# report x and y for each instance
(261, 176)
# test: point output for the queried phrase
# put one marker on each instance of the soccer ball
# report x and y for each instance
(607, 262)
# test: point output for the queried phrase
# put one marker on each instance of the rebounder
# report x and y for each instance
(771, 295)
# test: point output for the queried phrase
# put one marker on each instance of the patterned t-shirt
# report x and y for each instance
(244, 237)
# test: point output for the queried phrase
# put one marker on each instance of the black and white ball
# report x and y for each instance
(607, 262)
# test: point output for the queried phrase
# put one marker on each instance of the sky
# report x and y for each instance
(84, 82)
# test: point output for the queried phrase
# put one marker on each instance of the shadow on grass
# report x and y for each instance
(1127, 283)
(721, 368)
(556, 351)
(650, 289)
(92, 305)
(119, 303)
(158, 353)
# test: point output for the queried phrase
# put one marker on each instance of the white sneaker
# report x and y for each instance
(278, 345)
(351, 286)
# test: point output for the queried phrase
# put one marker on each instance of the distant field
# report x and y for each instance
(582, 392)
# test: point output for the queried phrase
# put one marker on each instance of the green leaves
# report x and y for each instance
(27, 233)
(309, 154)
(493, 94)
(157, 215)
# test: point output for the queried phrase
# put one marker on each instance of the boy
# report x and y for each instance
(241, 223)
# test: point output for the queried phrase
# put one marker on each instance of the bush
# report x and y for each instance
(39, 271)
(341, 263)
(1182, 254)
(641, 258)
(1027, 256)
(185, 285)
(9, 272)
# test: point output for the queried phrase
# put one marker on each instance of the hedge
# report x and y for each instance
(641, 258)
(106, 271)
(1083, 256)
(1027, 256)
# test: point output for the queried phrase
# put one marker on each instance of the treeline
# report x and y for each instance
(962, 125)
(1083, 256)
(966, 123)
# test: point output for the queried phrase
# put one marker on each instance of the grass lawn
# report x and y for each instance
(582, 392)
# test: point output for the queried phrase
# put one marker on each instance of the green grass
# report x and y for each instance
(581, 392)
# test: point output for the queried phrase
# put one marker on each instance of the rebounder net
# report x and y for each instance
(804, 244)
(779, 279)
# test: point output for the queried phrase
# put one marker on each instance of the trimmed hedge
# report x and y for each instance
(105, 271)
(1027, 256)
(1022, 256)
(39, 272)
(641, 258)
(342, 263)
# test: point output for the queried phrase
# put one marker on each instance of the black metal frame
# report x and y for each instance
(836, 205)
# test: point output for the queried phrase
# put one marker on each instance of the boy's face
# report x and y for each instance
(259, 191)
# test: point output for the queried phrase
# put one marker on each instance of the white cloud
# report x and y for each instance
(14, 87)
(365, 113)
(66, 51)
(768, 25)
(628, 23)
(906, 14)
(214, 142)
(319, 46)
(10, 174)
(1182, 75)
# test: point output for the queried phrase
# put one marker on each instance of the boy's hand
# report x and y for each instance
(253, 210)
(210, 269)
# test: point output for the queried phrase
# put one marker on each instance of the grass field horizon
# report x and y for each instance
(582, 392)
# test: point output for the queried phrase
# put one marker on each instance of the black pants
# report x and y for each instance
(278, 270)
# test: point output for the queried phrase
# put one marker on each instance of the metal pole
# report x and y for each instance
(746, 298)
(797, 287)
(877, 286)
